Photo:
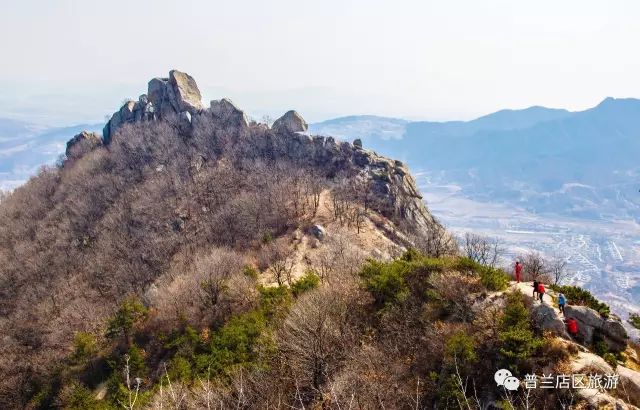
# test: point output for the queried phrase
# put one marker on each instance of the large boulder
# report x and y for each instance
(318, 231)
(226, 111)
(590, 322)
(82, 143)
(630, 384)
(157, 91)
(547, 319)
(186, 93)
(290, 122)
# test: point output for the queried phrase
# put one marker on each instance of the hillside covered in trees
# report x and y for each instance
(191, 258)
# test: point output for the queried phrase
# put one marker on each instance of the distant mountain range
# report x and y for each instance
(25, 147)
(581, 164)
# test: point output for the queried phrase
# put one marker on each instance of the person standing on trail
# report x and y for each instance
(518, 271)
(541, 291)
(561, 302)
(535, 288)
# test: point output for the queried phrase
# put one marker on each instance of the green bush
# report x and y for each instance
(611, 359)
(307, 282)
(137, 366)
(238, 342)
(251, 272)
(130, 313)
(78, 397)
(386, 281)
(460, 346)
(85, 347)
(517, 341)
(493, 279)
(274, 300)
(634, 319)
(578, 296)
(179, 369)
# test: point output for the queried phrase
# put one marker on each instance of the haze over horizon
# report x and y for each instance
(73, 61)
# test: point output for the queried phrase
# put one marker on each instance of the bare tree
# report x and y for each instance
(535, 267)
(132, 389)
(314, 336)
(276, 256)
(558, 270)
(481, 249)
(435, 241)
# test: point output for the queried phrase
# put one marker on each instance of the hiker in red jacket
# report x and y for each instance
(541, 291)
(518, 270)
(572, 327)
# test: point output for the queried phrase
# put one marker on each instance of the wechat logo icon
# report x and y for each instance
(503, 377)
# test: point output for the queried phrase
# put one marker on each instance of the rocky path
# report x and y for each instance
(549, 299)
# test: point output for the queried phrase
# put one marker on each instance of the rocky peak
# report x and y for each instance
(167, 98)
(177, 100)
(226, 111)
(81, 144)
(186, 92)
(290, 122)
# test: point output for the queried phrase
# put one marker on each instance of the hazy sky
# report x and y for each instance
(66, 61)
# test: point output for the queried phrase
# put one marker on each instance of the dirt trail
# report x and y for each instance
(526, 288)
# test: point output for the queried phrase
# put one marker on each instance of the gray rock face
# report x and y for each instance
(545, 317)
(318, 231)
(184, 121)
(290, 122)
(630, 382)
(590, 322)
(226, 111)
(166, 98)
(186, 93)
(357, 143)
(81, 144)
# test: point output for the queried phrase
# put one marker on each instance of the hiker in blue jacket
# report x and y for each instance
(561, 302)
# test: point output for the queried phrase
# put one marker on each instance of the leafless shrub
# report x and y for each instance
(481, 249)
(435, 241)
(456, 292)
(558, 270)
(208, 290)
(314, 338)
(535, 267)
(276, 257)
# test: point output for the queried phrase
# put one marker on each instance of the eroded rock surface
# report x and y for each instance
(591, 325)
(291, 121)
(82, 143)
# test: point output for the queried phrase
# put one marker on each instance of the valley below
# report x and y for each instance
(602, 255)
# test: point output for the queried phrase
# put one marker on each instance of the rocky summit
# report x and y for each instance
(177, 101)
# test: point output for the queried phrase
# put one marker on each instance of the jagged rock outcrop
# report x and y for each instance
(186, 92)
(590, 322)
(177, 100)
(225, 110)
(82, 143)
(291, 122)
(167, 98)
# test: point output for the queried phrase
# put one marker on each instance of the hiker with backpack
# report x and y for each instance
(535, 288)
(572, 327)
(541, 291)
(562, 300)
